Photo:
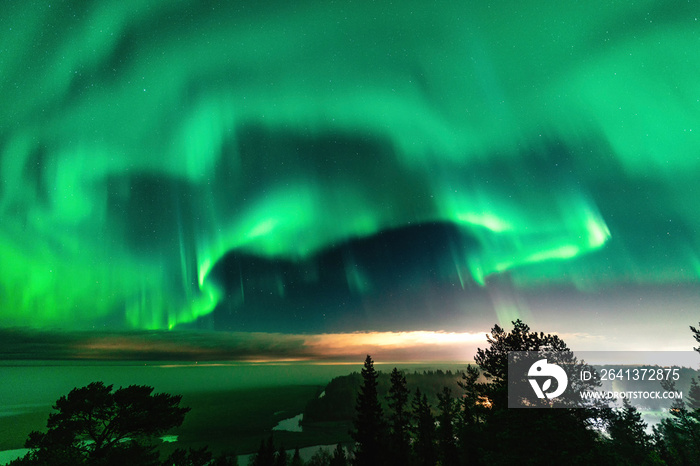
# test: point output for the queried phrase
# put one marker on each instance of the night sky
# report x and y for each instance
(328, 168)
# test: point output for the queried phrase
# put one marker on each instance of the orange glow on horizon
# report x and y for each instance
(264, 348)
(392, 339)
(416, 345)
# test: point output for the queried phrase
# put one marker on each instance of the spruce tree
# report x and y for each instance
(399, 420)
(678, 437)
(447, 445)
(693, 399)
(296, 459)
(424, 431)
(281, 457)
(339, 458)
(630, 442)
(369, 430)
(696, 335)
(265, 455)
(471, 417)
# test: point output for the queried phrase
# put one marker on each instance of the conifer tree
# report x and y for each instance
(678, 437)
(98, 425)
(557, 435)
(696, 335)
(281, 456)
(339, 458)
(424, 431)
(296, 459)
(447, 445)
(399, 420)
(630, 442)
(265, 455)
(369, 430)
(471, 417)
(693, 399)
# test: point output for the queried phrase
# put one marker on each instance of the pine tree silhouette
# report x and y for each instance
(631, 443)
(447, 445)
(369, 429)
(339, 458)
(399, 420)
(424, 431)
(296, 459)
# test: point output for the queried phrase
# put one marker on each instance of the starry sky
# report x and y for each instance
(268, 168)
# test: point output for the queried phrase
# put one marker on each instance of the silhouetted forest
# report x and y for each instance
(475, 426)
(337, 402)
(418, 419)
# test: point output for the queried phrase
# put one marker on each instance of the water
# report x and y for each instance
(26, 386)
(9, 455)
(293, 424)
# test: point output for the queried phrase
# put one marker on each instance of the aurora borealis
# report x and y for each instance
(338, 167)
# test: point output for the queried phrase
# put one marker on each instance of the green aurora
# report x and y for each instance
(142, 143)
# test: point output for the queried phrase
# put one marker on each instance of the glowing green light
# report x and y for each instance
(134, 156)
(203, 271)
(263, 228)
(489, 221)
(598, 232)
(565, 252)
